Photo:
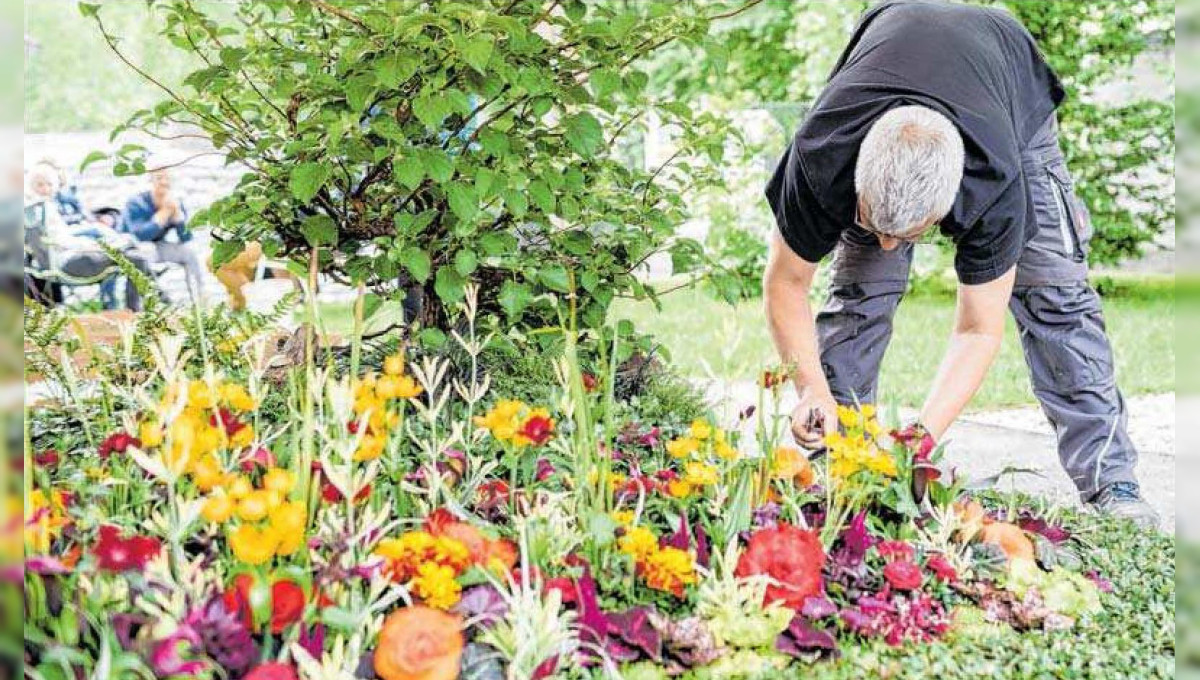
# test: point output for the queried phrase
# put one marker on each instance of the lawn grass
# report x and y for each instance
(706, 338)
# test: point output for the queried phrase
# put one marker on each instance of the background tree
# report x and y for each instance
(778, 55)
(422, 145)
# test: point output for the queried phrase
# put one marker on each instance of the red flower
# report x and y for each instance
(589, 382)
(903, 575)
(117, 442)
(47, 458)
(287, 605)
(262, 457)
(893, 551)
(330, 493)
(565, 587)
(792, 557)
(439, 520)
(115, 553)
(942, 569)
(537, 429)
(272, 671)
(287, 602)
(228, 421)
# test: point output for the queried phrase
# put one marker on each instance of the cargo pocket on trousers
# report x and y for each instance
(1063, 330)
(1074, 223)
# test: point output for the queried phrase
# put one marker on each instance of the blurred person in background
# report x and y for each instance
(76, 248)
(945, 114)
(156, 216)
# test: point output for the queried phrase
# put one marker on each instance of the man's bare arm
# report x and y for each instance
(786, 285)
(978, 332)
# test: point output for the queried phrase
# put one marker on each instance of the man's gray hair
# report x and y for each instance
(909, 169)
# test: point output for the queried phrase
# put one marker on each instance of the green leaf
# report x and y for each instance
(584, 133)
(449, 285)
(319, 230)
(431, 109)
(604, 81)
(408, 171)
(437, 164)
(514, 298)
(359, 91)
(93, 157)
(462, 200)
(417, 262)
(306, 180)
(516, 202)
(542, 198)
(372, 303)
(477, 51)
(555, 278)
(89, 9)
(465, 262)
(394, 69)
(224, 251)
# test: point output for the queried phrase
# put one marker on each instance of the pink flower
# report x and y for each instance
(903, 575)
(116, 553)
(167, 656)
(117, 442)
(893, 551)
(942, 569)
(271, 671)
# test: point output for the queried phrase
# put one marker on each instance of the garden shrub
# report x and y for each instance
(421, 146)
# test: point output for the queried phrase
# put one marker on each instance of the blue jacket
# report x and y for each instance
(138, 219)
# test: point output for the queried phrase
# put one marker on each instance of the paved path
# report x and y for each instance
(986, 443)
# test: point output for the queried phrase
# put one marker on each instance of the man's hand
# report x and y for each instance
(814, 417)
(786, 284)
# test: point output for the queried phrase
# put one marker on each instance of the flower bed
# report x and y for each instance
(199, 513)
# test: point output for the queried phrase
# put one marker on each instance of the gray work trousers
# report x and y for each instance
(1058, 314)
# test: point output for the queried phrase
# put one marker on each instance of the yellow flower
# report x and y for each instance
(150, 434)
(278, 479)
(240, 487)
(253, 546)
(254, 506)
(638, 542)
(847, 416)
(678, 488)
(243, 438)
(218, 508)
(700, 429)
(369, 448)
(668, 569)
(725, 451)
(394, 365)
(622, 517)
(408, 388)
(436, 585)
(236, 397)
(288, 521)
(207, 473)
(502, 420)
(388, 387)
(46, 519)
(701, 474)
(683, 447)
(200, 396)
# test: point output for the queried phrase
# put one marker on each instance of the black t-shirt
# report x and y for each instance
(977, 66)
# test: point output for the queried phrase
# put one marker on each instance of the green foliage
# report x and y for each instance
(438, 144)
(778, 55)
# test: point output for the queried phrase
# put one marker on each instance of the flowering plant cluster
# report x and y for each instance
(403, 522)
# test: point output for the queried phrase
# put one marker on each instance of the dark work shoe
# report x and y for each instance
(1124, 500)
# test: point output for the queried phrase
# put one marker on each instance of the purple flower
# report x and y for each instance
(545, 470)
(167, 657)
(801, 639)
(1036, 525)
(818, 607)
(855, 541)
(484, 602)
(1102, 584)
(766, 516)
